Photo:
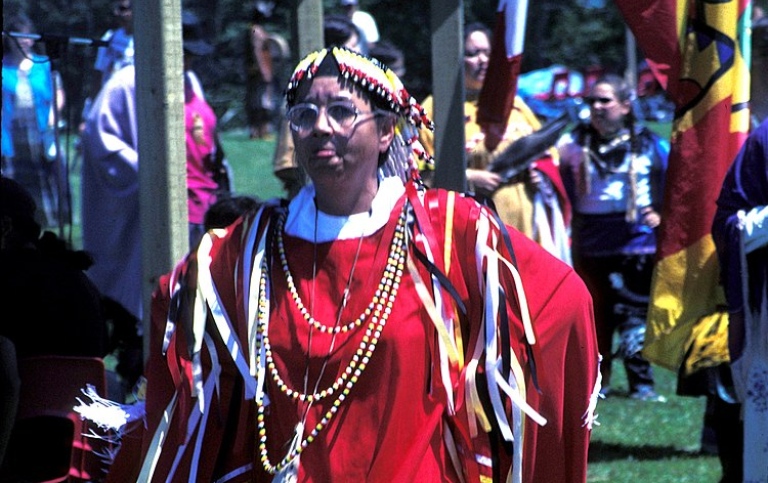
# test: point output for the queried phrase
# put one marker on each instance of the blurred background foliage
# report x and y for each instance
(575, 33)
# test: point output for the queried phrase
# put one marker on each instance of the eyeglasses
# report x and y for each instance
(340, 115)
(594, 100)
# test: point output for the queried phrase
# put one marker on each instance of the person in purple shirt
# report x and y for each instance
(740, 233)
(613, 170)
(110, 192)
(110, 181)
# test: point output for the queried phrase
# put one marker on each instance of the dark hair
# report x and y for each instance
(338, 29)
(17, 22)
(624, 93)
(227, 210)
(469, 29)
(621, 87)
(388, 54)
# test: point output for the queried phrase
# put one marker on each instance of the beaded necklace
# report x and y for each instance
(380, 295)
(379, 311)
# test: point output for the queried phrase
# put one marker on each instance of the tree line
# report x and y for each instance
(575, 33)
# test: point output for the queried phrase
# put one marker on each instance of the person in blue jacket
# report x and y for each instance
(29, 152)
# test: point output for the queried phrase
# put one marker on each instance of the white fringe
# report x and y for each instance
(590, 416)
(106, 414)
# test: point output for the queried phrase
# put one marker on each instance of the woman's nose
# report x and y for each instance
(322, 123)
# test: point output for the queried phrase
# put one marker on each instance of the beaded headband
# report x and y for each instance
(373, 77)
(385, 90)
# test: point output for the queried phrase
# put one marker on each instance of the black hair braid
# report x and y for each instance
(634, 151)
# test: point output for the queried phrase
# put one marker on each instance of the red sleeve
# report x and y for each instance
(566, 355)
(567, 364)
(229, 425)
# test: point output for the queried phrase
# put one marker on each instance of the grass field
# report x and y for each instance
(251, 162)
(648, 441)
(635, 441)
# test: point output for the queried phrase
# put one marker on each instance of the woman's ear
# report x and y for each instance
(386, 132)
(626, 107)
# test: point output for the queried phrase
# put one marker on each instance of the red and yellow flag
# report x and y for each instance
(697, 50)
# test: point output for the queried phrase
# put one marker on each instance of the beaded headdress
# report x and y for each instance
(406, 156)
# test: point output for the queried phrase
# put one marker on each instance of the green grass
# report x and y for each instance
(650, 441)
(251, 162)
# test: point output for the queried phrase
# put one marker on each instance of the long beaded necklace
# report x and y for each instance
(339, 313)
(378, 311)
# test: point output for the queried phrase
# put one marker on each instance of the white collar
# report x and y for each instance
(302, 215)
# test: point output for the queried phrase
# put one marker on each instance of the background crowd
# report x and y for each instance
(592, 199)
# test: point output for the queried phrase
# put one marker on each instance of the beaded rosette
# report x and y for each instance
(407, 157)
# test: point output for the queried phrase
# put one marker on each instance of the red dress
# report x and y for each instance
(398, 421)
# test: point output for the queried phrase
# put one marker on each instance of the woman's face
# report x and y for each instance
(477, 50)
(124, 14)
(334, 155)
(606, 110)
(20, 46)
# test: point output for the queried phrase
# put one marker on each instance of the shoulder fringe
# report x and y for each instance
(491, 266)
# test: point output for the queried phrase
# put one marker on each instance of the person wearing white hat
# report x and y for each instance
(364, 22)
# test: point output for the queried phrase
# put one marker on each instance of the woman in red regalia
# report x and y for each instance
(370, 329)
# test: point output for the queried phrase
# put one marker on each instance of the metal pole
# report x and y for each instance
(307, 27)
(57, 38)
(162, 149)
(448, 93)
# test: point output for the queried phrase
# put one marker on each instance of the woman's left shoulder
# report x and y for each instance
(461, 207)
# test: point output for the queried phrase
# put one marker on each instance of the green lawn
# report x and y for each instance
(251, 162)
(648, 441)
